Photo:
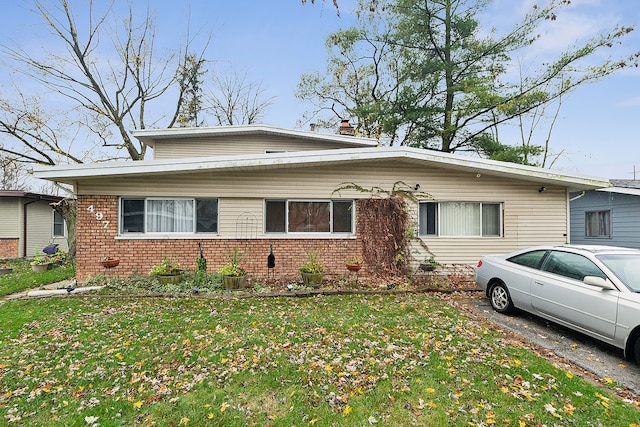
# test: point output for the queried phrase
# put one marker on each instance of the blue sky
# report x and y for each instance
(275, 41)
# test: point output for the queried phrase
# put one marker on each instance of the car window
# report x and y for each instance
(529, 259)
(571, 265)
(626, 267)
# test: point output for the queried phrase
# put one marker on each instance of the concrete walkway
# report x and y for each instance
(57, 288)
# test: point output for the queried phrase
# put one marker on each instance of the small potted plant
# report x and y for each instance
(429, 264)
(168, 271)
(5, 269)
(57, 258)
(312, 271)
(234, 276)
(353, 263)
(109, 261)
(40, 263)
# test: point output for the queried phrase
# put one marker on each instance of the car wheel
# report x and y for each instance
(500, 299)
(636, 351)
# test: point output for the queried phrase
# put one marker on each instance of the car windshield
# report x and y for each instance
(626, 267)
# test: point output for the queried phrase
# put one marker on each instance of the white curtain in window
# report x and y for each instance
(460, 219)
(170, 216)
(184, 216)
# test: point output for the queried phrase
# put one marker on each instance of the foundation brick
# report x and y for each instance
(96, 235)
(9, 248)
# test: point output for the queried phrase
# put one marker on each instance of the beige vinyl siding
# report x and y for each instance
(40, 229)
(529, 217)
(10, 217)
(242, 144)
(241, 218)
(11, 220)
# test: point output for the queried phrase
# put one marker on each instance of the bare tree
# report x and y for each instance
(232, 100)
(12, 174)
(110, 96)
(335, 4)
(33, 134)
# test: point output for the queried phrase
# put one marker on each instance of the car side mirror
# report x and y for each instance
(598, 282)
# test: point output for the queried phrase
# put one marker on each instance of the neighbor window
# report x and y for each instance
(460, 219)
(303, 216)
(597, 224)
(58, 225)
(162, 215)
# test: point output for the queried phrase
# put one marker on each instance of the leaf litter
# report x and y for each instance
(349, 360)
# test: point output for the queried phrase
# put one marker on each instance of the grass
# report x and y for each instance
(24, 278)
(323, 361)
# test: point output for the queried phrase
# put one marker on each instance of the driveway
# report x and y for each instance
(601, 359)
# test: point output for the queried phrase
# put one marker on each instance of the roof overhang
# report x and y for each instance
(29, 195)
(72, 173)
(150, 136)
(621, 190)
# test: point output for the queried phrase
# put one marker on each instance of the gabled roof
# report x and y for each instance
(255, 162)
(150, 136)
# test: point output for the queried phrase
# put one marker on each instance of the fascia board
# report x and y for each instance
(320, 157)
(150, 136)
(621, 190)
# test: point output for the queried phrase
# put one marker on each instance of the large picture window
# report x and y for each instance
(597, 224)
(163, 215)
(460, 219)
(303, 216)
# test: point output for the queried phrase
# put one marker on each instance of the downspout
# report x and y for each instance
(578, 196)
(568, 235)
(24, 228)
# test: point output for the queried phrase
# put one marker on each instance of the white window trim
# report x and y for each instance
(53, 225)
(480, 236)
(299, 234)
(165, 234)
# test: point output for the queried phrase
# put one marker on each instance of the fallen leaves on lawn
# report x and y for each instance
(419, 353)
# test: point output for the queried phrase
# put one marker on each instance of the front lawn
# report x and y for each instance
(23, 278)
(323, 361)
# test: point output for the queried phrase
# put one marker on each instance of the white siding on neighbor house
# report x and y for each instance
(11, 220)
(530, 217)
(240, 144)
(40, 229)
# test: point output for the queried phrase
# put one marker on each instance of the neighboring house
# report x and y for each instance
(258, 186)
(607, 216)
(28, 223)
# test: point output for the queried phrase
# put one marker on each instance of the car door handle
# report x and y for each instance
(538, 283)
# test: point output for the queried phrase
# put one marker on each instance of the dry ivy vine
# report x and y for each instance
(382, 223)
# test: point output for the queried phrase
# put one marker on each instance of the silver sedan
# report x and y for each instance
(592, 289)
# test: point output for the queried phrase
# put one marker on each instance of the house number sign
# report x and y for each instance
(99, 216)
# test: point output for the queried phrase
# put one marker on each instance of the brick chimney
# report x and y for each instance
(346, 128)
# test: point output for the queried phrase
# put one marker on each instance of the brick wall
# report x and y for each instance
(97, 224)
(9, 248)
